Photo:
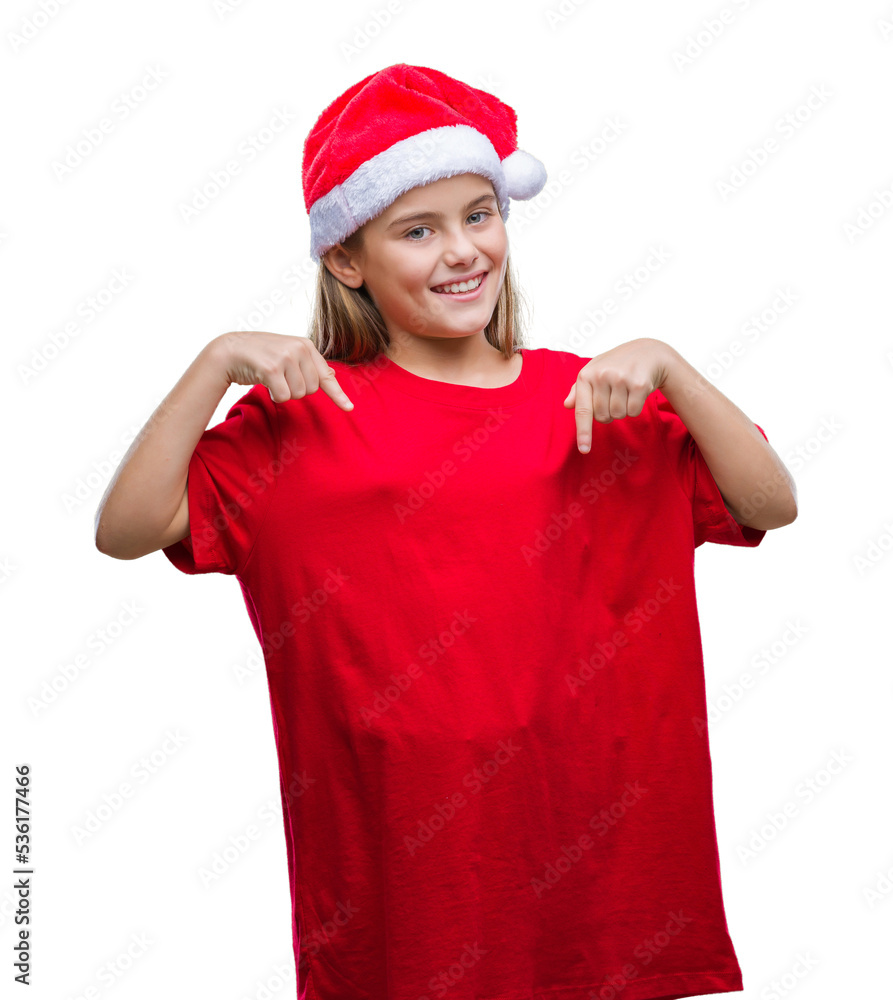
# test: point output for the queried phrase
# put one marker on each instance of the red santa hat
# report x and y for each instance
(397, 129)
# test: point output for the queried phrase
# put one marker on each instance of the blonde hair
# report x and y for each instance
(346, 325)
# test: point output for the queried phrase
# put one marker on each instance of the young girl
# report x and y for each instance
(469, 564)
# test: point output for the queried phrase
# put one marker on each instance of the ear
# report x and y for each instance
(343, 266)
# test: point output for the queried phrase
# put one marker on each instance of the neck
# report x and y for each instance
(464, 361)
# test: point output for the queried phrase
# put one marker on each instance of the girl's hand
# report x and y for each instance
(290, 367)
(616, 384)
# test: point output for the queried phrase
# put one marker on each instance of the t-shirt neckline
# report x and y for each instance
(473, 396)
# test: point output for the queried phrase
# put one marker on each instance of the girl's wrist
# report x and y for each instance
(215, 358)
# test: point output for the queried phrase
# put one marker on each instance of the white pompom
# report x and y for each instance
(525, 175)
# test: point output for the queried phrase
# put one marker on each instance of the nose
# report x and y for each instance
(460, 247)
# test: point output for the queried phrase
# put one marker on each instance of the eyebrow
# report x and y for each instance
(436, 215)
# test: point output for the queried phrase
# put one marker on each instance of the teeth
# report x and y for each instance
(462, 286)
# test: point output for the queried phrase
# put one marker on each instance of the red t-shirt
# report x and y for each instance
(486, 677)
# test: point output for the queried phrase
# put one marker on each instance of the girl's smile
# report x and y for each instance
(450, 290)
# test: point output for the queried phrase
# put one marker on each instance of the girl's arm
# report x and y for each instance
(755, 484)
(145, 505)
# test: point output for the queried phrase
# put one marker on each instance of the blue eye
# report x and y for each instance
(418, 229)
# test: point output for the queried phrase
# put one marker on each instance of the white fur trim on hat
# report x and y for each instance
(420, 159)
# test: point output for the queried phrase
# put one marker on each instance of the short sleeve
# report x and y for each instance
(230, 483)
(711, 519)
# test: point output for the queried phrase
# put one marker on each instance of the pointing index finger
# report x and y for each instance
(583, 412)
(328, 382)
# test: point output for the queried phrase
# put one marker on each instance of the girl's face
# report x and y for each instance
(455, 234)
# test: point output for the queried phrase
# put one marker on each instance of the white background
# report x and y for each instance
(813, 219)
